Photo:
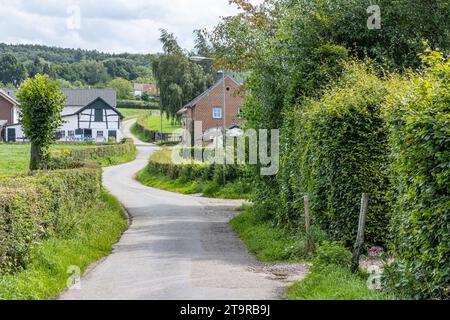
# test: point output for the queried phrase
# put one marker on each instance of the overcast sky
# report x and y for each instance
(107, 25)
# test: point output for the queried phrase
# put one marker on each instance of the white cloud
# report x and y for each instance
(108, 25)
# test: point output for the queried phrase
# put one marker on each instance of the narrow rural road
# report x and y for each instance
(177, 247)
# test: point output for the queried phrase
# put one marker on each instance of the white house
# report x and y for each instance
(88, 115)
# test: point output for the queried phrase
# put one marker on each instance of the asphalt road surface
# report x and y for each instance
(177, 247)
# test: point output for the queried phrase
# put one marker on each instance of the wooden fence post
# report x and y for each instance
(309, 239)
(360, 237)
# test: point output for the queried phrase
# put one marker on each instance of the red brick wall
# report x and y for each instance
(203, 110)
(6, 110)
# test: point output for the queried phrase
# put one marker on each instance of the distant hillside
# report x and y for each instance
(71, 67)
(24, 52)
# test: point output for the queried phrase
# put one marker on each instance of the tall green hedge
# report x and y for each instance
(419, 122)
(47, 204)
(339, 152)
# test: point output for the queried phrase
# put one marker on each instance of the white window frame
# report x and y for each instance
(102, 134)
(216, 115)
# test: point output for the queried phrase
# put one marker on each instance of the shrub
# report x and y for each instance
(419, 122)
(332, 253)
(137, 104)
(340, 152)
(96, 152)
(44, 205)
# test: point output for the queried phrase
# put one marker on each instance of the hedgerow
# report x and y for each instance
(41, 206)
(419, 122)
(97, 152)
(340, 152)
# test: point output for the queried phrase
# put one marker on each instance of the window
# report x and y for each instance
(99, 134)
(71, 133)
(79, 132)
(217, 113)
(112, 133)
(60, 135)
(98, 115)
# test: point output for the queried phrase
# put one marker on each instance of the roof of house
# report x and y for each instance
(10, 96)
(79, 110)
(83, 97)
(206, 93)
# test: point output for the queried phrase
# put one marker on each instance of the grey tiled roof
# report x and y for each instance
(82, 97)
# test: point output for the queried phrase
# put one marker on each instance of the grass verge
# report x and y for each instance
(116, 160)
(268, 243)
(334, 283)
(46, 275)
(234, 190)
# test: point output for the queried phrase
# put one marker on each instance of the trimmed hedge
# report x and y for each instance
(340, 152)
(138, 104)
(45, 205)
(146, 134)
(101, 151)
(196, 172)
(419, 122)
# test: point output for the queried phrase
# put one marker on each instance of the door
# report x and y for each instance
(11, 135)
(112, 134)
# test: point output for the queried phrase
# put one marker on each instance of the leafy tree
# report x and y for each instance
(123, 87)
(11, 70)
(41, 103)
(121, 68)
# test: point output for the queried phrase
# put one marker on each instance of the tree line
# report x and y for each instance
(71, 67)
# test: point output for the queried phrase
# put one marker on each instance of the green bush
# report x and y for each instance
(332, 253)
(137, 104)
(97, 152)
(47, 204)
(143, 133)
(419, 122)
(340, 151)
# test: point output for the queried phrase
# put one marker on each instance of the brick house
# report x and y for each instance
(9, 111)
(207, 108)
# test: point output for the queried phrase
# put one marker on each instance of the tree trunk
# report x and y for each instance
(36, 157)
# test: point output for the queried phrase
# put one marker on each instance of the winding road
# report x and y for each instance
(177, 247)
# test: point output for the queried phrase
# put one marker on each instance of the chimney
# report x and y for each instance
(220, 74)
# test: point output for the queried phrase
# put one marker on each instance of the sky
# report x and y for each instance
(107, 25)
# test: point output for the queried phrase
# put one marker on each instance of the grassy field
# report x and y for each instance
(46, 276)
(15, 158)
(134, 113)
(154, 123)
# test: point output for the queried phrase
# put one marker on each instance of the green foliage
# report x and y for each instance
(341, 152)
(332, 253)
(41, 103)
(419, 116)
(137, 104)
(38, 207)
(107, 155)
(179, 79)
(334, 283)
(91, 239)
(123, 87)
(11, 71)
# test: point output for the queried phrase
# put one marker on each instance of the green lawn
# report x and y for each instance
(134, 113)
(15, 157)
(154, 123)
(46, 275)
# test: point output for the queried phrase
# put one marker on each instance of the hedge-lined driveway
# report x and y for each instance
(177, 247)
